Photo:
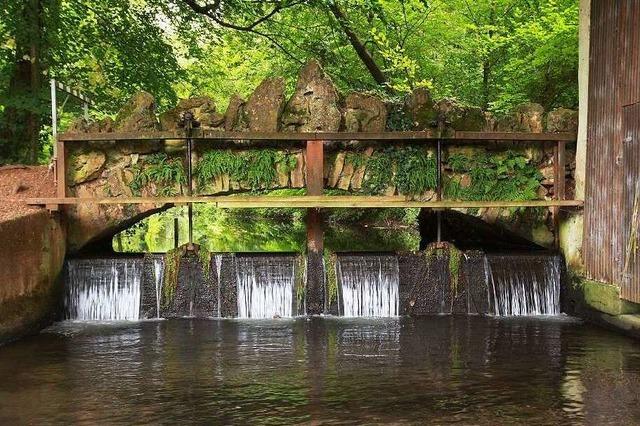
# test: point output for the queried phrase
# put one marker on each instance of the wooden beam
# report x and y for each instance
(213, 135)
(61, 170)
(302, 201)
(314, 159)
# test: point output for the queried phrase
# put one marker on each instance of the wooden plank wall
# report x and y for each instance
(613, 152)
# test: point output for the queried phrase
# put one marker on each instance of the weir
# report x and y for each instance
(103, 289)
(369, 285)
(265, 286)
(524, 284)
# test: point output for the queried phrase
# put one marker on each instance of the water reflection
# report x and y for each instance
(440, 370)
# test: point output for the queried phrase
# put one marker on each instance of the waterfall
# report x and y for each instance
(103, 289)
(218, 261)
(265, 286)
(369, 285)
(158, 275)
(524, 284)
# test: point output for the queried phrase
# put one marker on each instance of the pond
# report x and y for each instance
(440, 369)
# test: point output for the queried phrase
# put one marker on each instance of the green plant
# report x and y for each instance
(330, 266)
(300, 277)
(356, 159)
(171, 271)
(416, 171)
(379, 172)
(257, 169)
(507, 176)
(161, 170)
(205, 260)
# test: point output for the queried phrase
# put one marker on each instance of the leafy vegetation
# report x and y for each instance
(163, 171)
(489, 53)
(256, 169)
(331, 271)
(171, 271)
(504, 176)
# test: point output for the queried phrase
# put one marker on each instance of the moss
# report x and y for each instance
(440, 250)
(330, 266)
(205, 256)
(300, 277)
(171, 272)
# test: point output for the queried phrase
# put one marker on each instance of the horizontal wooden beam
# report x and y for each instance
(304, 201)
(214, 135)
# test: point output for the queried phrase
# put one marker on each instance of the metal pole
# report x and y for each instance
(176, 233)
(439, 188)
(54, 118)
(189, 127)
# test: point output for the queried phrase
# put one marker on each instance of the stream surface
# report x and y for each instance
(443, 369)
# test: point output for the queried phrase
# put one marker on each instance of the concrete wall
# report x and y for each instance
(31, 259)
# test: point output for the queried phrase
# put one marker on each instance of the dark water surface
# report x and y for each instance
(469, 370)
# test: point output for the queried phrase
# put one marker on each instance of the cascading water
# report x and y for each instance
(369, 285)
(265, 286)
(158, 275)
(524, 284)
(218, 261)
(103, 289)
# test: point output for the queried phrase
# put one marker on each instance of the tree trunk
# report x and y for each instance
(358, 46)
(20, 121)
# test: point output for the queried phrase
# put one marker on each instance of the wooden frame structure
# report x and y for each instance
(314, 144)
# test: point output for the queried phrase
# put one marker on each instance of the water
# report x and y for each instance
(435, 370)
(369, 285)
(524, 284)
(158, 275)
(103, 289)
(265, 286)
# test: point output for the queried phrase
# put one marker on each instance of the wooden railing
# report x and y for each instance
(315, 143)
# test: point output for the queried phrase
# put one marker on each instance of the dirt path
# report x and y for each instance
(23, 182)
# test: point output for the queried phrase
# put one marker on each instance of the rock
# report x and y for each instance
(345, 177)
(264, 107)
(524, 118)
(336, 171)
(233, 118)
(358, 174)
(364, 113)
(314, 104)
(562, 120)
(138, 114)
(421, 109)
(460, 117)
(465, 181)
(86, 166)
(297, 174)
(283, 177)
(204, 111)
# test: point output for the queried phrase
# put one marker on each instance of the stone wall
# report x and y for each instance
(127, 169)
(31, 258)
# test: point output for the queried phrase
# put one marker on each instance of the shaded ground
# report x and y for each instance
(18, 182)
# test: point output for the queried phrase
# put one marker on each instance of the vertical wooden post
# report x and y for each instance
(315, 293)
(559, 176)
(61, 175)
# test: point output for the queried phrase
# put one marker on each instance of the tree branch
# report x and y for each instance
(358, 46)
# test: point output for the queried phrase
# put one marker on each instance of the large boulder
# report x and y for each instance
(203, 109)
(421, 109)
(455, 116)
(85, 166)
(364, 113)
(264, 107)
(234, 117)
(314, 104)
(562, 120)
(138, 115)
(527, 117)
